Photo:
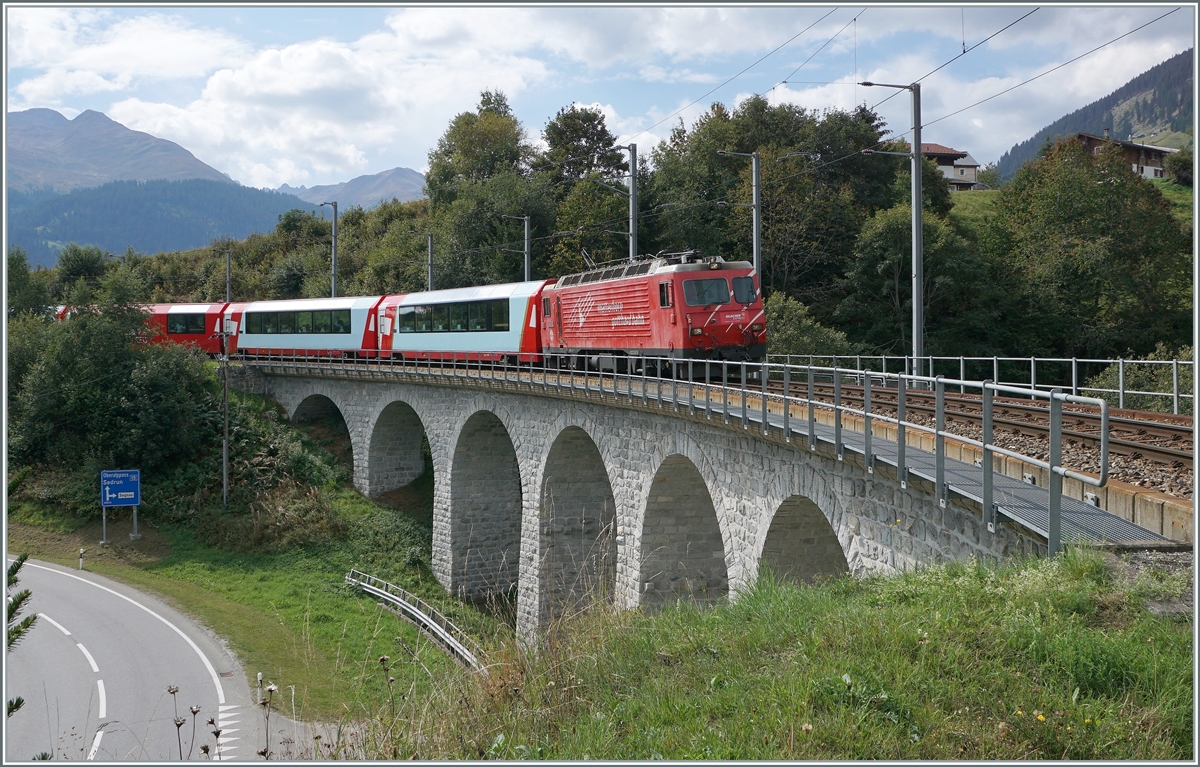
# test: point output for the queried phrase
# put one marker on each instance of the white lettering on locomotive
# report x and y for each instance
(614, 306)
(629, 319)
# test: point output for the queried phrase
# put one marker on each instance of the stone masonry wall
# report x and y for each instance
(878, 526)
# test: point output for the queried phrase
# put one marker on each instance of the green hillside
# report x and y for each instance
(149, 216)
(1160, 100)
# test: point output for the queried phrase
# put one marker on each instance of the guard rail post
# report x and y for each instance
(766, 374)
(1074, 377)
(787, 404)
(989, 508)
(812, 412)
(1055, 506)
(707, 391)
(939, 442)
(867, 454)
(645, 381)
(674, 387)
(691, 389)
(837, 413)
(996, 369)
(901, 469)
(1033, 372)
(725, 389)
(1121, 383)
(745, 404)
(1175, 386)
(962, 374)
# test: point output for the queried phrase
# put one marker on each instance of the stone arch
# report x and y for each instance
(340, 441)
(801, 544)
(682, 550)
(485, 510)
(577, 517)
(395, 456)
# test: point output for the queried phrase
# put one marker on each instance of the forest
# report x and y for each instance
(1075, 257)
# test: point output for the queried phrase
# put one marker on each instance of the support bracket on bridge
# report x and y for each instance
(903, 472)
(871, 463)
(943, 494)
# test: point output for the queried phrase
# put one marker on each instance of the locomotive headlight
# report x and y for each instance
(697, 331)
(756, 327)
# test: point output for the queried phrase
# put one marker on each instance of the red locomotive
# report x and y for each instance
(681, 306)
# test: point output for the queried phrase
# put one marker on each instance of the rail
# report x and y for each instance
(708, 386)
(1054, 372)
(425, 616)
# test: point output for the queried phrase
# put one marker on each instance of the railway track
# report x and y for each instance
(1158, 437)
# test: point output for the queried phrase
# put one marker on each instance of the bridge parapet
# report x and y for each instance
(641, 490)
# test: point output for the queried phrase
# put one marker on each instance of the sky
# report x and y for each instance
(309, 95)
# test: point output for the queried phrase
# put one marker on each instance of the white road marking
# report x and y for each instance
(225, 708)
(95, 744)
(88, 655)
(212, 672)
(57, 625)
(103, 701)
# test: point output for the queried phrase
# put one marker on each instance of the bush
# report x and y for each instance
(1147, 378)
(1180, 166)
(791, 330)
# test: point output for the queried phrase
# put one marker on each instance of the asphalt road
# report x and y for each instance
(95, 669)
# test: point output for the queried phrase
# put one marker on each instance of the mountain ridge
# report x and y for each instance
(403, 184)
(1159, 99)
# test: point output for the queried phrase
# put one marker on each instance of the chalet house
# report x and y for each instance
(960, 168)
(1146, 160)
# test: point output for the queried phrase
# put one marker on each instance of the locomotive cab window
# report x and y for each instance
(185, 323)
(743, 290)
(545, 307)
(706, 292)
(664, 294)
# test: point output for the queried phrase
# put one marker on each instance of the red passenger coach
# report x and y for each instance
(678, 305)
(195, 324)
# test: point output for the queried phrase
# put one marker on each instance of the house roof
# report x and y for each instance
(938, 149)
(966, 162)
(1131, 144)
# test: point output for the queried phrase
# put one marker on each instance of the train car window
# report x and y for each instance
(254, 323)
(441, 318)
(743, 290)
(479, 315)
(458, 317)
(406, 319)
(706, 292)
(185, 323)
(270, 322)
(500, 315)
(545, 307)
(664, 294)
(341, 321)
(304, 322)
(424, 321)
(287, 322)
(320, 322)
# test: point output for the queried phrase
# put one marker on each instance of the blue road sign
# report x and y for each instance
(121, 487)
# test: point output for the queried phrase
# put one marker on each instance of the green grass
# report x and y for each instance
(1179, 196)
(971, 209)
(1040, 659)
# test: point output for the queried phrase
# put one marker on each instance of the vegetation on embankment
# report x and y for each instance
(1043, 659)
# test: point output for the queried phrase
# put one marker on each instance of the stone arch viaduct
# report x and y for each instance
(564, 499)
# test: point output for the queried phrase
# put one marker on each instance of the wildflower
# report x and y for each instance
(1041, 718)
(806, 727)
(195, 710)
(1087, 721)
(179, 721)
(1068, 728)
(391, 679)
(383, 659)
(271, 688)
(262, 752)
(172, 689)
(204, 749)
(1020, 712)
(210, 722)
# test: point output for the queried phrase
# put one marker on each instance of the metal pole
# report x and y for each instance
(1055, 531)
(104, 526)
(989, 509)
(225, 398)
(134, 535)
(1121, 383)
(1175, 386)
(430, 281)
(633, 202)
(918, 243)
(528, 242)
(756, 173)
(333, 272)
(939, 442)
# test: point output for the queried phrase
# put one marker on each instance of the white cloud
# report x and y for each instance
(84, 51)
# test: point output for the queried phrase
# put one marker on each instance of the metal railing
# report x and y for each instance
(1045, 373)
(742, 392)
(424, 615)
